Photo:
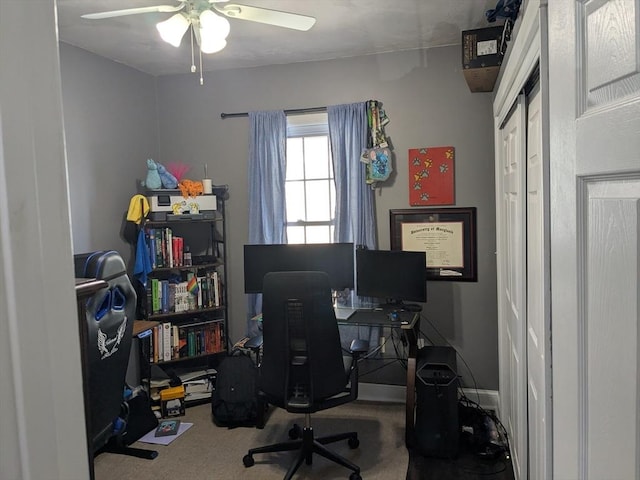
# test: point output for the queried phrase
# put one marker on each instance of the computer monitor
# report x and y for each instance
(336, 259)
(393, 275)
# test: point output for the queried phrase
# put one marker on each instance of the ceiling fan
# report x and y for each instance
(209, 29)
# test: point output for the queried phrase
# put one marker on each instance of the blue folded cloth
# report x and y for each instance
(142, 266)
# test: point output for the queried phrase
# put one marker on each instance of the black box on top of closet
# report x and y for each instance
(482, 57)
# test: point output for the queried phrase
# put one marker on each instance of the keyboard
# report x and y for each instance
(344, 313)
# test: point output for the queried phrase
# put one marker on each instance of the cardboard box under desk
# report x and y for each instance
(482, 57)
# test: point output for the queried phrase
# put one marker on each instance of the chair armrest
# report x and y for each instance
(359, 346)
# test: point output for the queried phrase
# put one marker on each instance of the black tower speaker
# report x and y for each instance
(437, 428)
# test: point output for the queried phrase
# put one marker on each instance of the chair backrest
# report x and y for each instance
(109, 315)
(301, 339)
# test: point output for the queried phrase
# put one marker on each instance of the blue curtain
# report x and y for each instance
(355, 219)
(267, 202)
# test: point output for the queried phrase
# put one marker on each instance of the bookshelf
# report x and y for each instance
(186, 289)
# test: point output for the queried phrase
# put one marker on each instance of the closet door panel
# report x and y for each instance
(512, 293)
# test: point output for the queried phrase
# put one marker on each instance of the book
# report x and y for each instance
(169, 247)
(160, 342)
(182, 343)
(154, 345)
(155, 298)
(165, 296)
(175, 342)
(167, 427)
(159, 294)
(216, 289)
(158, 250)
(166, 341)
(152, 247)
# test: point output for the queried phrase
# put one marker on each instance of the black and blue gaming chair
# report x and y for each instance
(110, 313)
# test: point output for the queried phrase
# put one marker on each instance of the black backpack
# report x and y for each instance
(234, 402)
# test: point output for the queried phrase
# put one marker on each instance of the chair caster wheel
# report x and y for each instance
(294, 432)
(354, 443)
(248, 461)
(355, 476)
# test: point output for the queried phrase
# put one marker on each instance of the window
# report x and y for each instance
(309, 186)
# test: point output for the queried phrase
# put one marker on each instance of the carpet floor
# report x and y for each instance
(206, 451)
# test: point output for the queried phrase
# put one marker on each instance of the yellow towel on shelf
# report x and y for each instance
(138, 208)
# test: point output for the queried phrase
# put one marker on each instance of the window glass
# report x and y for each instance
(318, 200)
(295, 159)
(295, 197)
(318, 234)
(310, 189)
(295, 234)
(316, 157)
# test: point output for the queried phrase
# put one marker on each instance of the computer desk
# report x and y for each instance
(409, 325)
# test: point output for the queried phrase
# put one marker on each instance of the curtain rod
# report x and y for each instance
(294, 111)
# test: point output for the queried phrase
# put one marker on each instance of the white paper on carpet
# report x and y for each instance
(151, 438)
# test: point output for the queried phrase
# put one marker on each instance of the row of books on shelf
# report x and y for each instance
(171, 342)
(172, 296)
(166, 250)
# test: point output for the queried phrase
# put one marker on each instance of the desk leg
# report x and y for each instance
(412, 339)
(410, 401)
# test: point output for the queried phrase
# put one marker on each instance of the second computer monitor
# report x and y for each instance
(394, 276)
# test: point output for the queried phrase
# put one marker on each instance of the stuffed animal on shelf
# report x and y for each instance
(153, 180)
(167, 179)
(190, 188)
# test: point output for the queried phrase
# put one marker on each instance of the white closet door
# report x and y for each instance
(512, 320)
(538, 333)
(594, 67)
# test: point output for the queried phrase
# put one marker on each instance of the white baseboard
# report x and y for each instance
(376, 392)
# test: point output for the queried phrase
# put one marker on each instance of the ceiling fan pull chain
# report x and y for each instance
(193, 63)
(201, 79)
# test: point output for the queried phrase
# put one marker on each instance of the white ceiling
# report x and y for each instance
(344, 28)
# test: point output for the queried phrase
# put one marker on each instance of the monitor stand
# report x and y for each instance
(399, 307)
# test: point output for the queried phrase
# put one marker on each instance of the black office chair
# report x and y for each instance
(110, 313)
(303, 369)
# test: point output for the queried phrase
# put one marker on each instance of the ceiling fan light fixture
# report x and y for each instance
(215, 25)
(173, 29)
(211, 43)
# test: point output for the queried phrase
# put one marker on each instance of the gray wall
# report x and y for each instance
(116, 117)
(429, 104)
(110, 127)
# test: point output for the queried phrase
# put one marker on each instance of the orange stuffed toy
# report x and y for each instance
(190, 188)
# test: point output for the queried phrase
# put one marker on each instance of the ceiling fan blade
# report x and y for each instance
(133, 11)
(265, 15)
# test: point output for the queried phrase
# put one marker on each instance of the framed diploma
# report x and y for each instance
(447, 235)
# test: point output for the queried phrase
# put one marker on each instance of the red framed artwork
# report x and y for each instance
(431, 176)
